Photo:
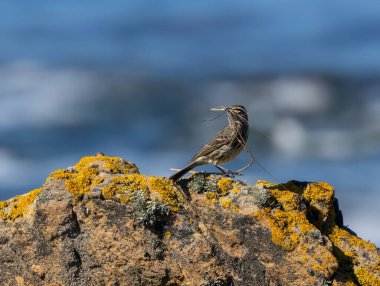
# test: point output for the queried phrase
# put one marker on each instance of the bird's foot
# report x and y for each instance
(228, 172)
(233, 174)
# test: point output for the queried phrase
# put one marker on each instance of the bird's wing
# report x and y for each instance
(221, 138)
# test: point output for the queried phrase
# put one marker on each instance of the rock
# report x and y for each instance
(101, 222)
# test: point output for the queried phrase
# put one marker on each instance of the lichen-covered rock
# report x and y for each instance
(101, 222)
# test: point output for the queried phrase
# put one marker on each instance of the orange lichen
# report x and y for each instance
(18, 206)
(225, 185)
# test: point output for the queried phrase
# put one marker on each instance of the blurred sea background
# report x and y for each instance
(136, 79)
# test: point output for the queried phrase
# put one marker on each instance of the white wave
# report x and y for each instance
(32, 95)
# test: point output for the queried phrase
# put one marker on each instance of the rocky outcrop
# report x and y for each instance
(101, 222)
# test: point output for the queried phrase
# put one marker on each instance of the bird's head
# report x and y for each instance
(236, 113)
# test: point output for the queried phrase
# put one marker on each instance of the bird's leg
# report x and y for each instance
(224, 170)
(227, 172)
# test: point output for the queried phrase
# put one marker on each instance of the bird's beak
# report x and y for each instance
(221, 108)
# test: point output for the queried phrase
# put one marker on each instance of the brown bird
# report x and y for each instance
(225, 145)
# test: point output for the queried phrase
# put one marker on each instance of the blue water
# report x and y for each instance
(197, 39)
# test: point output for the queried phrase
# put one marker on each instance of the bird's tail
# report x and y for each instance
(180, 174)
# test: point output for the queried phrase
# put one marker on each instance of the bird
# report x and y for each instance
(225, 145)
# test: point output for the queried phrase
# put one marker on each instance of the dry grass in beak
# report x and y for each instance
(221, 108)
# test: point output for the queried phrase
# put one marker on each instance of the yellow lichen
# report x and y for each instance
(224, 185)
(319, 267)
(87, 160)
(225, 202)
(317, 258)
(318, 195)
(123, 187)
(79, 184)
(124, 198)
(84, 174)
(117, 165)
(338, 234)
(235, 207)
(367, 273)
(97, 181)
(18, 206)
(349, 283)
(168, 192)
(316, 192)
(288, 200)
(286, 224)
(264, 184)
(61, 174)
(3, 212)
(125, 183)
(366, 278)
(211, 198)
(111, 164)
(321, 197)
(168, 235)
(289, 223)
